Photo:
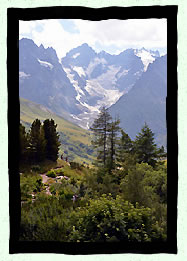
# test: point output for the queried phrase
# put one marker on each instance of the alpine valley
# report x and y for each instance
(132, 84)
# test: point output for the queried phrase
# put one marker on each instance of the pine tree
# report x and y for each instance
(125, 147)
(113, 143)
(100, 130)
(41, 150)
(37, 142)
(52, 138)
(145, 148)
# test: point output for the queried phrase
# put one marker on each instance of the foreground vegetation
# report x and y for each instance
(118, 207)
(122, 198)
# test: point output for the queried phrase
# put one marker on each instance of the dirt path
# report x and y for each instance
(45, 179)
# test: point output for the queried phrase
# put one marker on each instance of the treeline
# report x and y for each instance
(39, 143)
(113, 149)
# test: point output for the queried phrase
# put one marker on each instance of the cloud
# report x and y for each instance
(110, 35)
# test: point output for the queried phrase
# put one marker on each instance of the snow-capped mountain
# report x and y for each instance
(146, 56)
(83, 81)
(99, 79)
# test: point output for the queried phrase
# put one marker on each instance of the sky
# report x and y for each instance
(112, 36)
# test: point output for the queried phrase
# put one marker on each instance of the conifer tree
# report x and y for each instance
(125, 147)
(52, 138)
(37, 142)
(145, 148)
(41, 150)
(113, 143)
(100, 130)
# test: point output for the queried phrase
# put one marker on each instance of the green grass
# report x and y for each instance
(29, 111)
(75, 140)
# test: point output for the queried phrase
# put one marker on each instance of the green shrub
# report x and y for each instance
(51, 174)
(59, 172)
(44, 220)
(109, 219)
(29, 184)
(73, 181)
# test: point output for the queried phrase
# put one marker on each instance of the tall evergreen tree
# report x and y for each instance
(125, 147)
(145, 148)
(52, 138)
(37, 142)
(113, 142)
(41, 150)
(100, 130)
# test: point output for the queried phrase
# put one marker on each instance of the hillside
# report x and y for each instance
(76, 142)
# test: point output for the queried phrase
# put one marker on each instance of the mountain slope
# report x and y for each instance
(43, 80)
(145, 102)
(99, 79)
(76, 142)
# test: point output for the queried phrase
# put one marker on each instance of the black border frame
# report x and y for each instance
(95, 14)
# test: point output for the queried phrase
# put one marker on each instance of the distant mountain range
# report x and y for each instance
(83, 81)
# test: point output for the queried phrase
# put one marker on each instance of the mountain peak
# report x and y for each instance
(147, 56)
(85, 45)
(41, 46)
(103, 53)
(27, 41)
(79, 56)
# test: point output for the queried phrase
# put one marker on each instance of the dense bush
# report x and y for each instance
(102, 219)
(133, 210)
(59, 172)
(51, 174)
(30, 184)
(109, 219)
(44, 220)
